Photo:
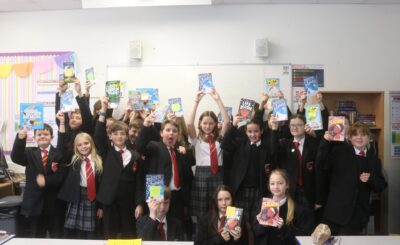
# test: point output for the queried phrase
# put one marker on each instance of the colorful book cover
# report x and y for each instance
(90, 75)
(69, 72)
(280, 109)
(311, 85)
(246, 107)
(336, 127)
(272, 87)
(160, 113)
(269, 212)
(66, 101)
(313, 116)
(149, 97)
(233, 218)
(135, 100)
(205, 82)
(113, 93)
(31, 116)
(175, 105)
(230, 114)
(154, 186)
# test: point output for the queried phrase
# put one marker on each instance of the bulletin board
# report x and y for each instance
(232, 81)
(28, 77)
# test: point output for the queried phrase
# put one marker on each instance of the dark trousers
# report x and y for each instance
(119, 218)
(78, 234)
(39, 226)
(345, 230)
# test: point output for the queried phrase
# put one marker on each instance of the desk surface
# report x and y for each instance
(347, 240)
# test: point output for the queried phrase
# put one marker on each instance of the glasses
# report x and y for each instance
(296, 125)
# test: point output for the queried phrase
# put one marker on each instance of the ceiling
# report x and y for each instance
(44, 5)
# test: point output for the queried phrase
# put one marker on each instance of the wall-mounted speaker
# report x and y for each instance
(261, 47)
(135, 49)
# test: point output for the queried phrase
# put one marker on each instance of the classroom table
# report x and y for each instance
(345, 240)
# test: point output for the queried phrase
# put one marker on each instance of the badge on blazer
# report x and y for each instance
(54, 166)
(310, 165)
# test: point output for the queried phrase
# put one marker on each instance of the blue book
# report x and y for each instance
(175, 106)
(31, 116)
(313, 116)
(154, 186)
(160, 113)
(272, 87)
(280, 109)
(113, 91)
(246, 107)
(230, 114)
(149, 97)
(311, 85)
(66, 101)
(134, 99)
(205, 82)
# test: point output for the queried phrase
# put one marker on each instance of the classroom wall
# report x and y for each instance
(358, 44)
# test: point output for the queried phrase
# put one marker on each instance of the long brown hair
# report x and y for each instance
(290, 209)
(214, 212)
(215, 131)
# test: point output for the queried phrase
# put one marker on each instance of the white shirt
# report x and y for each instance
(171, 185)
(126, 155)
(358, 151)
(202, 152)
(301, 144)
(258, 143)
(83, 171)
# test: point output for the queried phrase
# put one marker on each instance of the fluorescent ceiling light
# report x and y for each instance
(140, 3)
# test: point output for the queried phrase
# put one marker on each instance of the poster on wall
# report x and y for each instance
(395, 124)
(300, 72)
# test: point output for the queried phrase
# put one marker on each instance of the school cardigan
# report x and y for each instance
(344, 168)
(37, 200)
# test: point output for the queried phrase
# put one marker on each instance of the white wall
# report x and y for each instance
(358, 44)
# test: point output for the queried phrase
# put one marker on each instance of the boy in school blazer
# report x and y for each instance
(160, 225)
(301, 173)
(44, 175)
(159, 160)
(120, 183)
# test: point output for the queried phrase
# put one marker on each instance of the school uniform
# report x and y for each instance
(39, 205)
(302, 178)
(302, 225)
(159, 161)
(249, 169)
(208, 235)
(119, 186)
(348, 201)
(169, 229)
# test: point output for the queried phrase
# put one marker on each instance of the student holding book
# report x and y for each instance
(163, 157)
(121, 187)
(160, 225)
(44, 175)
(297, 156)
(354, 172)
(294, 219)
(80, 185)
(208, 153)
(212, 229)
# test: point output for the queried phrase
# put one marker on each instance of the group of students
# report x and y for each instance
(98, 170)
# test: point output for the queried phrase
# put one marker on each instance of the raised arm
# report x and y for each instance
(192, 115)
(227, 121)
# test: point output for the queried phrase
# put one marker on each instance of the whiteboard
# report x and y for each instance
(232, 81)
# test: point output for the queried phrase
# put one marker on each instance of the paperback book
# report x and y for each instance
(69, 72)
(135, 100)
(149, 97)
(90, 75)
(154, 186)
(311, 85)
(269, 212)
(246, 107)
(205, 82)
(272, 87)
(230, 114)
(175, 106)
(113, 93)
(280, 109)
(66, 101)
(31, 116)
(160, 113)
(336, 127)
(233, 218)
(313, 116)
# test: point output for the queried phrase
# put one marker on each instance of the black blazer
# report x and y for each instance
(303, 224)
(339, 161)
(238, 147)
(287, 156)
(208, 236)
(38, 201)
(158, 161)
(114, 174)
(148, 229)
